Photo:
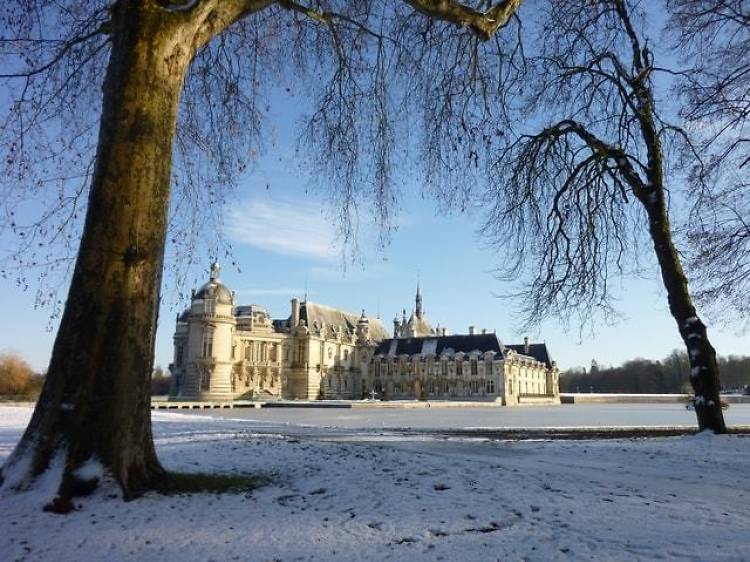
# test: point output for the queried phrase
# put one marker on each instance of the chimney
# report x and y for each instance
(471, 330)
(484, 331)
(295, 312)
(526, 345)
(443, 331)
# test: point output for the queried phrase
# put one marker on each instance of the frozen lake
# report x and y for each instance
(578, 415)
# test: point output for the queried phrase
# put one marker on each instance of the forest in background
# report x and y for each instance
(646, 376)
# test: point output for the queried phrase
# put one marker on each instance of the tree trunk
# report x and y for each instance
(704, 370)
(95, 404)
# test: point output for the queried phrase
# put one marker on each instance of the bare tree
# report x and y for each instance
(572, 198)
(713, 39)
(185, 80)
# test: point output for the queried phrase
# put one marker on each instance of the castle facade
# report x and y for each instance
(225, 351)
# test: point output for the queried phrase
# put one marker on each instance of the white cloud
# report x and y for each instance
(283, 227)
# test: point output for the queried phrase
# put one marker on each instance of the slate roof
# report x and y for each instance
(311, 312)
(536, 350)
(437, 344)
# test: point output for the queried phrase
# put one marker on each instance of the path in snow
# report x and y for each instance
(411, 497)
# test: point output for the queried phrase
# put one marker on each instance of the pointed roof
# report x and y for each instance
(312, 312)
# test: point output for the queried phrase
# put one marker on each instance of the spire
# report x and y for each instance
(418, 301)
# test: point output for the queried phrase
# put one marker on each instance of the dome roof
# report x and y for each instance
(214, 289)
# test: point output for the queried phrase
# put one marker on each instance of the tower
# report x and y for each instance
(363, 329)
(211, 324)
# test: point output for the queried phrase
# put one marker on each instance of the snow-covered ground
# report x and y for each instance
(366, 496)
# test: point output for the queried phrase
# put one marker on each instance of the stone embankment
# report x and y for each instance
(601, 398)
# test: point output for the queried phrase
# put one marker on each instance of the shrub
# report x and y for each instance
(17, 378)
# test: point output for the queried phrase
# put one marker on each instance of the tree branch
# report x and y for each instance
(483, 24)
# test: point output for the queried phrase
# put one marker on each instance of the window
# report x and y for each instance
(346, 355)
(474, 367)
(459, 367)
(234, 351)
(208, 344)
(444, 367)
(490, 386)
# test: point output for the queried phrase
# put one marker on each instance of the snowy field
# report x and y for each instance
(366, 496)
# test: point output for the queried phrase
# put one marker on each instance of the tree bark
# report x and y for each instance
(95, 404)
(704, 370)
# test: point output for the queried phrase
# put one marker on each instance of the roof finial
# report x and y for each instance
(215, 270)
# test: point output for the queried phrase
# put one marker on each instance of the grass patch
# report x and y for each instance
(208, 483)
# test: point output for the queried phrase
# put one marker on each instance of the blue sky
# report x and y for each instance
(285, 241)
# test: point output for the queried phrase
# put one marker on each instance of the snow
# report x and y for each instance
(372, 495)
(392, 348)
(690, 321)
(89, 471)
(429, 347)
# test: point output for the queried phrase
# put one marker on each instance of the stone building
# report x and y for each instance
(463, 367)
(225, 351)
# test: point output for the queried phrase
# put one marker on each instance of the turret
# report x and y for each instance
(363, 328)
(211, 325)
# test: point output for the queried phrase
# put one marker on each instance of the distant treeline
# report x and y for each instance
(644, 376)
(160, 381)
(18, 381)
